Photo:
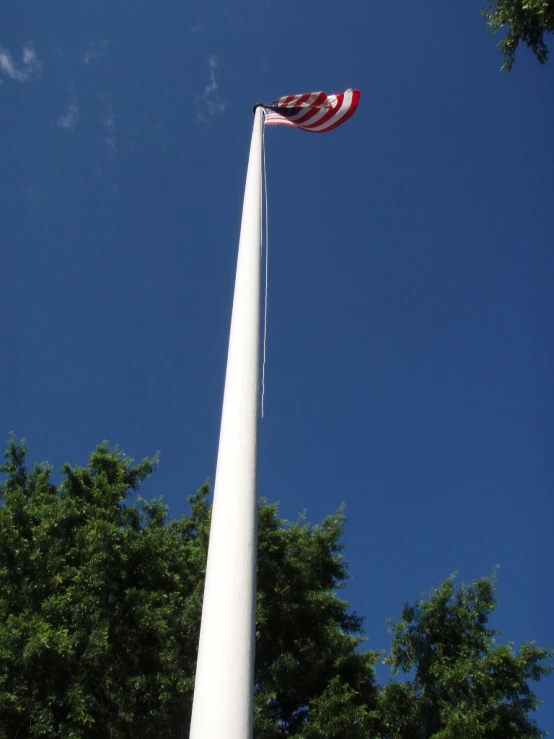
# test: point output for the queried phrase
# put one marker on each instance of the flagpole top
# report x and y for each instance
(258, 105)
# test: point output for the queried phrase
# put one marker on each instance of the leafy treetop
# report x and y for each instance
(526, 21)
(100, 603)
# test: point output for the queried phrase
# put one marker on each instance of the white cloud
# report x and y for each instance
(95, 50)
(22, 71)
(69, 119)
(208, 103)
(108, 121)
(30, 57)
(35, 194)
(108, 124)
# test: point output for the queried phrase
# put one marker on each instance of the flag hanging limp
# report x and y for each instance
(313, 111)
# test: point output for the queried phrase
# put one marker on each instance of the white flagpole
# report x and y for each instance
(223, 692)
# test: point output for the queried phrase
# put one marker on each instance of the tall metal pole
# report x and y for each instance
(223, 693)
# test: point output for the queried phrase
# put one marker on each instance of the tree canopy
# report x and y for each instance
(526, 21)
(464, 685)
(100, 603)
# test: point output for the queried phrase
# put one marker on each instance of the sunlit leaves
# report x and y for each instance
(464, 685)
(525, 21)
(100, 603)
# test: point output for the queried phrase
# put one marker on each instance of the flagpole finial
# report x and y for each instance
(258, 105)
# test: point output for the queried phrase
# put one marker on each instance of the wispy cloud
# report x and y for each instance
(35, 195)
(19, 71)
(95, 50)
(69, 119)
(108, 124)
(209, 103)
(196, 28)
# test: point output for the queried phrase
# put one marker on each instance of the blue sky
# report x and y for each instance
(410, 359)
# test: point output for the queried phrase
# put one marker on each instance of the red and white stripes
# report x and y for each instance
(312, 111)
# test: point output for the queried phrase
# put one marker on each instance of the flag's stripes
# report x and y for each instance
(314, 116)
(312, 111)
(275, 119)
(309, 98)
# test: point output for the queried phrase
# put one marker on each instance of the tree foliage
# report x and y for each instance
(307, 659)
(100, 602)
(464, 685)
(526, 21)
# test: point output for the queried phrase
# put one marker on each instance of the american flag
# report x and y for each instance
(312, 111)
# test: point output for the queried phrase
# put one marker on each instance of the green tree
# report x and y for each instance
(464, 685)
(100, 601)
(526, 21)
(311, 678)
